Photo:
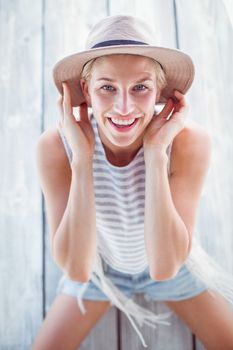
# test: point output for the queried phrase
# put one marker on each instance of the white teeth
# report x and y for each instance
(122, 122)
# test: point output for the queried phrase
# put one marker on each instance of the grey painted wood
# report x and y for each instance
(20, 205)
(62, 22)
(104, 335)
(66, 28)
(159, 14)
(211, 106)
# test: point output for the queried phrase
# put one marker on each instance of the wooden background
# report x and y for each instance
(33, 36)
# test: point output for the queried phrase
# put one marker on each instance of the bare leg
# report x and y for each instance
(210, 319)
(65, 327)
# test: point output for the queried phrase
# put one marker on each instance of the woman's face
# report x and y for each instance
(122, 87)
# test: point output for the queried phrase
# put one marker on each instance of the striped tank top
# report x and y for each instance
(119, 202)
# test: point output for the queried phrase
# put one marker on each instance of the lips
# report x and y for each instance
(123, 128)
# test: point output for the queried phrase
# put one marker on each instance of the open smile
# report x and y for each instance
(123, 127)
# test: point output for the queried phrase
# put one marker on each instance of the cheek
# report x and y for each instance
(147, 102)
(149, 97)
(99, 105)
(148, 106)
(101, 102)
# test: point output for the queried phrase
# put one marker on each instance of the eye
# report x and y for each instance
(107, 87)
(140, 87)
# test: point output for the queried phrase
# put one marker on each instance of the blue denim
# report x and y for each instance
(183, 286)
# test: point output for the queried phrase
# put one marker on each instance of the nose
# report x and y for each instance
(123, 103)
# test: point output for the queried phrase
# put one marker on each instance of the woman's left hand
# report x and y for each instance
(160, 132)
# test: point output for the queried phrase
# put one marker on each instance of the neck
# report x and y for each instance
(120, 156)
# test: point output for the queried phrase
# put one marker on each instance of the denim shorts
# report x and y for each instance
(183, 286)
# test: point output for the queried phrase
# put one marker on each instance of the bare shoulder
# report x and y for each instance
(52, 163)
(51, 151)
(192, 145)
(54, 175)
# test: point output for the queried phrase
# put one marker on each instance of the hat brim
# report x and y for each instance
(178, 67)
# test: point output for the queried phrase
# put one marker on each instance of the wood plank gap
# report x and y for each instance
(42, 129)
(42, 126)
(43, 259)
(176, 24)
(194, 341)
(119, 337)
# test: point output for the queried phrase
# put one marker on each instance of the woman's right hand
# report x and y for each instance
(79, 134)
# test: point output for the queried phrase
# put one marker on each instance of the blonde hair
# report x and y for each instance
(161, 81)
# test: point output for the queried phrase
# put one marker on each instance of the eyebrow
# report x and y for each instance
(146, 78)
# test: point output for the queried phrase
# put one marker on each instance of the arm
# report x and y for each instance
(171, 203)
(69, 198)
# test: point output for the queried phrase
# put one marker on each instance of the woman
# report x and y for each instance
(122, 188)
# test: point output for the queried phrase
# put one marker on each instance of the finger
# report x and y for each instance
(166, 109)
(83, 110)
(180, 97)
(68, 110)
(180, 101)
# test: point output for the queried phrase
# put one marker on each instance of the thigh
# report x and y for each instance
(209, 316)
(65, 327)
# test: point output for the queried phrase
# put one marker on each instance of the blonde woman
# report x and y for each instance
(122, 187)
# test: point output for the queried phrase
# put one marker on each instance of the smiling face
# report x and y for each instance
(122, 87)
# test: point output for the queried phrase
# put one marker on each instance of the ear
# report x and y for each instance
(85, 90)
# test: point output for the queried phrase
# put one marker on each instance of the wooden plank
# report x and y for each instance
(104, 335)
(66, 28)
(161, 17)
(159, 14)
(211, 105)
(20, 209)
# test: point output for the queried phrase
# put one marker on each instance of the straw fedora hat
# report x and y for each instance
(125, 35)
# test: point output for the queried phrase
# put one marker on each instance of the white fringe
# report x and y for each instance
(80, 299)
(209, 272)
(136, 314)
